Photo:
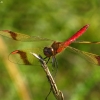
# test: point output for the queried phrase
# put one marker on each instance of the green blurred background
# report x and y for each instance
(58, 20)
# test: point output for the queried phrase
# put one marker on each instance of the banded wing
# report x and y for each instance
(95, 59)
(22, 37)
(25, 57)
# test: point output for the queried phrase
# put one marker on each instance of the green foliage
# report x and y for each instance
(56, 20)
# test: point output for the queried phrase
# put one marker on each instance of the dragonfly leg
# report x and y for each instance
(48, 94)
(47, 59)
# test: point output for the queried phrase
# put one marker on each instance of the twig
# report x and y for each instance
(57, 93)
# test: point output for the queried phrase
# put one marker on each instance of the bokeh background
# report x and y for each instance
(77, 78)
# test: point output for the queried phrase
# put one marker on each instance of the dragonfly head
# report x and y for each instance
(48, 51)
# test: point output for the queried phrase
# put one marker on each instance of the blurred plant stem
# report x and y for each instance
(14, 73)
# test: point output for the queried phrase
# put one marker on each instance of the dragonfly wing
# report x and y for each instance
(87, 42)
(22, 37)
(90, 56)
(24, 56)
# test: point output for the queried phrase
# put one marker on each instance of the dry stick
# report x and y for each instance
(57, 93)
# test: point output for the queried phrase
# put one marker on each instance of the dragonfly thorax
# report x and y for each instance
(48, 51)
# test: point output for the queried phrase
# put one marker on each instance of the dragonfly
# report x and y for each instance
(25, 57)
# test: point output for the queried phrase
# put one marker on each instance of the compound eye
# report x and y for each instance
(48, 52)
